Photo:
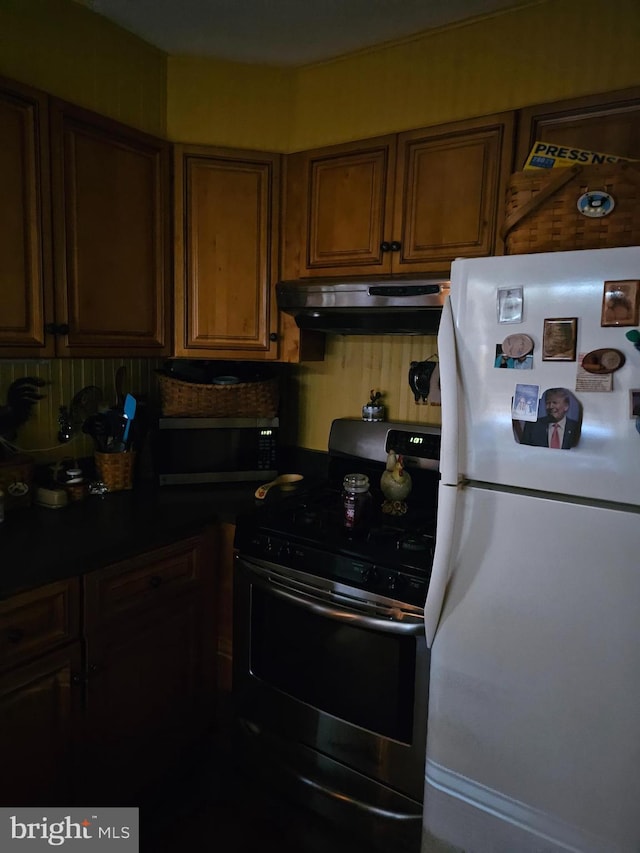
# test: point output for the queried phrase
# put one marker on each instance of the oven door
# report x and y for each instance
(337, 679)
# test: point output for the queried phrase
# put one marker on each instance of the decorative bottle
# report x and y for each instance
(356, 500)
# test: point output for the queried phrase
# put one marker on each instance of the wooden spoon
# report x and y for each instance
(285, 481)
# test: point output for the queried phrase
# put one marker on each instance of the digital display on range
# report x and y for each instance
(416, 444)
(266, 432)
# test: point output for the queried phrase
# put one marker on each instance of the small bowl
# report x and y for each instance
(287, 482)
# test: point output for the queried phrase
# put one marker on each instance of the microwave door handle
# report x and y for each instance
(339, 615)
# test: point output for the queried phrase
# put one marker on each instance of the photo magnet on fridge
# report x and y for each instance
(515, 352)
(510, 305)
(524, 404)
(557, 424)
(620, 302)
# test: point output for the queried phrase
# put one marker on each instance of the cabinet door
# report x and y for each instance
(110, 215)
(338, 209)
(450, 189)
(39, 715)
(144, 700)
(25, 262)
(226, 245)
(225, 610)
(608, 123)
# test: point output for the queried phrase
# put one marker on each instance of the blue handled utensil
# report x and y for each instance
(130, 405)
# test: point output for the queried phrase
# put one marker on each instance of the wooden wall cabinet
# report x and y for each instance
(401, 204)
(608, 123)
(84, 232)
(226, 258)
(111, 236)
(26, 283)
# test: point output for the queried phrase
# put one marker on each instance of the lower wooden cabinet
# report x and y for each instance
(40, 712)
(104, 707)
(225, 609)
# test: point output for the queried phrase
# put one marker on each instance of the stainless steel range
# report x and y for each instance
(330, 667)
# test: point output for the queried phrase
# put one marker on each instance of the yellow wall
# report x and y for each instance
(546, 51)
(224, 103)
(543, 51)
(69, 51)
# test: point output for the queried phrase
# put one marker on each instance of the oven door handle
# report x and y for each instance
(390, 626)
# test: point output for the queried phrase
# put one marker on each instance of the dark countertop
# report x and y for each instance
(39, 546)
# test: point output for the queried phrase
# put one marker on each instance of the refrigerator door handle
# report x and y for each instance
(447, 501)
(449, 468)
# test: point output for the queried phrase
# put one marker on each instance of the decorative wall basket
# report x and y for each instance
(581, 207)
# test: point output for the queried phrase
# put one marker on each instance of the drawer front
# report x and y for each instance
(137, 584)
(36, 622)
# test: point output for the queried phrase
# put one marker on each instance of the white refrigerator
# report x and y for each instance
(533, 608)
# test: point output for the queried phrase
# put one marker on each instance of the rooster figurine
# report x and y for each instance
(395, 484)
(21, 397)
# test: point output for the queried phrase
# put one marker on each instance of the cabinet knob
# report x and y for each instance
(155, 581)
(76, 679)
(385, 247)
(273, 336)
(395, 246)
(15, 635)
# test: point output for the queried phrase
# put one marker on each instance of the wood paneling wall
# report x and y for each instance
(64, 378)
(317, 392)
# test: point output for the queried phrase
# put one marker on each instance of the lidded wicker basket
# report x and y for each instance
(542, 212)
(241, 400)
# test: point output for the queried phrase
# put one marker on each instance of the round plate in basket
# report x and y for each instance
(595, 204)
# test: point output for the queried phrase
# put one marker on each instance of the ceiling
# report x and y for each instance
(284, 32)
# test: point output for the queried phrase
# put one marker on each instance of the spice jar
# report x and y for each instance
(356, 501)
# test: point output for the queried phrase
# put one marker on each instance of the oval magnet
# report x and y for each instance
(517, 346)
(603, 361)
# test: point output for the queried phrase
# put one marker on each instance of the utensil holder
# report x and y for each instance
(116, 469)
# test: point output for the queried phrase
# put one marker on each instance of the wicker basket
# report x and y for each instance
(542, 209)
(242, 400)
(116, 469)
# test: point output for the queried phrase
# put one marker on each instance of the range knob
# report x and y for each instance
(368, 574)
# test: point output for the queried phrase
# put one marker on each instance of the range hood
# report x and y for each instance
(358, 306)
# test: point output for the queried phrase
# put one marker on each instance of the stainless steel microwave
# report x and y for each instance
(215, 450)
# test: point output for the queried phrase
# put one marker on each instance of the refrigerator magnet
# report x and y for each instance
(557, 424)
(559, 339)
(515, 352)
(603, 361)
(591, 380)
(510, 303)
(620, 303)
(524, 403)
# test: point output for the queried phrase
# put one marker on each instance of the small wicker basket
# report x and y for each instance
(116, 469)
(244, 399)
(542, 209)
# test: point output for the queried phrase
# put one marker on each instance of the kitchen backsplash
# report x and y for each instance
(64, 378)
(311, 394)
(317, 392)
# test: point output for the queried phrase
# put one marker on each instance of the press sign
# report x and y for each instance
(548, 155)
